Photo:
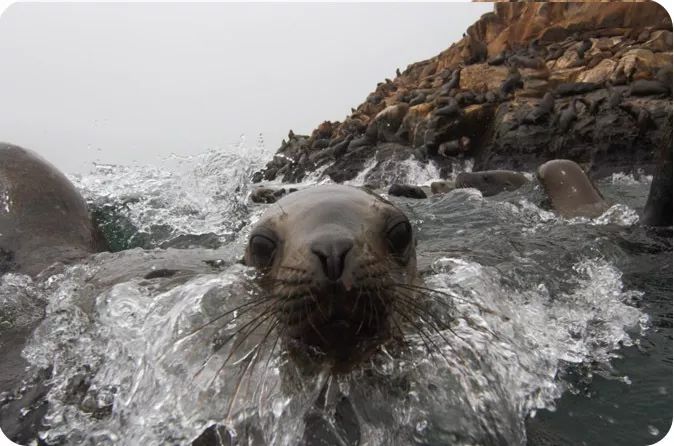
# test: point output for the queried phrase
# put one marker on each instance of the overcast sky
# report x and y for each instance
(125, 83)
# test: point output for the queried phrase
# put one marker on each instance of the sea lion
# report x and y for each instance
(340, 148)
(491, 182)
(43, 218)
(43, 221)
(646, 87)
(450, 110)
(499, 59)
(407, 190)
(418, 99)
(454, 147)
(582, 49)
(512, 82)
(385, 124)
(570, 191)
(541, 111)
(465, 98)
(573, 88)
(454, 81)
(658, 210)
(534, 63)
(566, 117)
(441, 187)
(332, 257)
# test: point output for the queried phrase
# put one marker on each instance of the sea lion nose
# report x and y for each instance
(332, 253)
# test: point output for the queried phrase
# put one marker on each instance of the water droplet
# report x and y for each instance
(421, 426)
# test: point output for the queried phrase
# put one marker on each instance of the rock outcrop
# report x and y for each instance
(529, 82)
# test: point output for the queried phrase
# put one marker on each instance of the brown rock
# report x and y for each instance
(386, 123)
(605, 43)
(660, 41)
(565, 75)
(597, 58)
(417, 113)
(583, 43)
(533, 88)
(642, 60)
(482, 77)
(569, 59)
(600, 73)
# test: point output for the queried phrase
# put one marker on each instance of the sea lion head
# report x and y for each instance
(333, 259)
(570, 191)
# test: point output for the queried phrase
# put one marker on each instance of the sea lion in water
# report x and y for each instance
(43, 219)
(658, 209)
(570, 191)
(491, 182)
(332, 257)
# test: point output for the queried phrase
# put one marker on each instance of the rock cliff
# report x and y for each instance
(528, 82)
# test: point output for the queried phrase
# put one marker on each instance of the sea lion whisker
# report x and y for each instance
(236, 346)
(266, 366)
(265, 314)
(259, 346)
(400, 329)
(442, 293)
(317, 303)
(384, 306)
(423, 335)
(476, 327)
(409, 300)
(311, 323)
(355, 304)
(247, 306)
(254, 354)
(433, 322)
(374, 310)
(446, 327)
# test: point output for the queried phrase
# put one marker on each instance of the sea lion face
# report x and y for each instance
(332, 259)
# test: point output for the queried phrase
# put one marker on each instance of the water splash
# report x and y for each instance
(630, 179)
(188, 196)
(133, 369)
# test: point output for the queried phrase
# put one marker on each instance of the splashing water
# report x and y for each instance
(409, 171)
(527, 295)
(191, 195)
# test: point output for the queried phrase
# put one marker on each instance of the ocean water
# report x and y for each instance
(560, 328)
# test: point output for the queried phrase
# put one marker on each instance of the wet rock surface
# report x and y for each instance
(527, 83)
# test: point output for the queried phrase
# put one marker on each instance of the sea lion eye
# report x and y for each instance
(262, 249)
(399, 237)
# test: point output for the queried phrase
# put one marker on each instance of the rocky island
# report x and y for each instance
(527, 83)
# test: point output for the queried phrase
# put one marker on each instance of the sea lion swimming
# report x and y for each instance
(570, 191)
(491, 182)
(43, 219)
(331, 256)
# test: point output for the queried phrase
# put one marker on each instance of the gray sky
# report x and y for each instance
(124, 83)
